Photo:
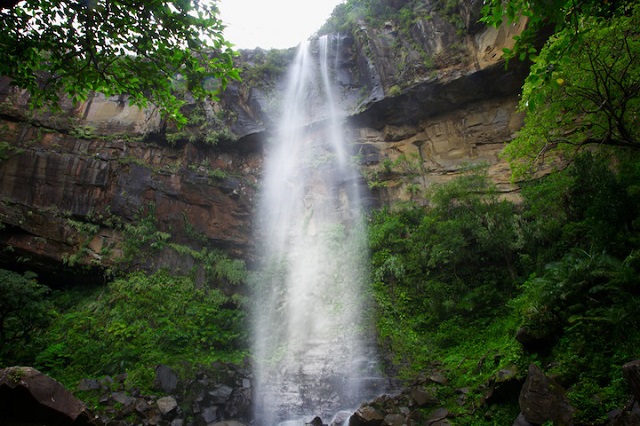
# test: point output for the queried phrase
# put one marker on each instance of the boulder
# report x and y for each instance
(167, 404)
(423, 398)
(341, 418)
(631, 372)
(521, 421)
(394, 420)
(166, 380)
(366, 416)
(28, 396)
(542, 399)
(438, 417)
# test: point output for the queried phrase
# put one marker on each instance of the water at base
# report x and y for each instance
(310, 339)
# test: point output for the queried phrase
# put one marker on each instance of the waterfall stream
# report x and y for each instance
(309, 333)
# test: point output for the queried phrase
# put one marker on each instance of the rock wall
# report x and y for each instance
(72, 182)
(422, 105)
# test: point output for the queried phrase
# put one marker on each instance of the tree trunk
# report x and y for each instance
(631, 372)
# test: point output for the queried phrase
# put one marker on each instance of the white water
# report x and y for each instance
(308, 329)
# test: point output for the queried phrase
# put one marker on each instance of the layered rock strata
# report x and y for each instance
(424, 104)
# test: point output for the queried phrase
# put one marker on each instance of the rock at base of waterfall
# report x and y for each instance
(366, 416)
(542, 399)
(27, 395)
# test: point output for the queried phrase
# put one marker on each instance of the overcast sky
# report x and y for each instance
(273, 23)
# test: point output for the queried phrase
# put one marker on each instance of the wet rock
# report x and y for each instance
(221, 393)
(166, 380)
(142, 406)
(27, 395)
(542, 399)
(540, 340)
(341, 418)
(631, 372)
(123, 399)
(438, 378)
(394, 419)
(208, 415)
(166, 405)
(503, 386)
(423, 398)
(238, 404)
(521, 421)
(317, 421)
(437, 415)
(88, 385)
(366, 416)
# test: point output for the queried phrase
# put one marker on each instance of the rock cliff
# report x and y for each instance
(83, 185)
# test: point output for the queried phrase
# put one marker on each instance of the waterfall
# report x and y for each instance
(308, 302)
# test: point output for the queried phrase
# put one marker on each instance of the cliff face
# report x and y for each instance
(77, 186)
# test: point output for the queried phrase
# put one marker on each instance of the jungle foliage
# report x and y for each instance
(584, 85)
(455, 281)
(133, 324)
(349, 15)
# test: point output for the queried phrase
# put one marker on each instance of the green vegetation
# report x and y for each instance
(584, 86)
(348, 16)
(24, 314)
(455, 281)
(137, 322)
(131, 325)
(144, 49)
(267, 67)
(203, 126)
(186, 319)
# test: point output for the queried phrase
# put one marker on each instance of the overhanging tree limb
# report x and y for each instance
(54, 48)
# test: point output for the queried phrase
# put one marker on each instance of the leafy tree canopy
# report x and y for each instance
(584, 83)
(145, 49)
(24, 312)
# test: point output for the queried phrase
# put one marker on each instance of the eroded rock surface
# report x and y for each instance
(423, 105)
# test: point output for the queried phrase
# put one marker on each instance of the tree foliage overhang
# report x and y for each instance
(147, 49)
(583, 89)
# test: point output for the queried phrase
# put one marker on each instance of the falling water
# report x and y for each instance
(308, 327)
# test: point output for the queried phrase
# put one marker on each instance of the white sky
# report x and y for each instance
(272, 23)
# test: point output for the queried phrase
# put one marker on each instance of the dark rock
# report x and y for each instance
(423, 398)
(88, 385)
(28, 396)
(238, 405)
(504, 386)
(540, 340)
(341, 418)
(317, 421)
(142, 406)
(394, 419)
(166, 380)
(438, 378)
(220, 394)
(542, 399)
(625, 417)
(123, 399)
(366, 416)
(631, 372)
(521, 421)
(208, 415)
(437, 415)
